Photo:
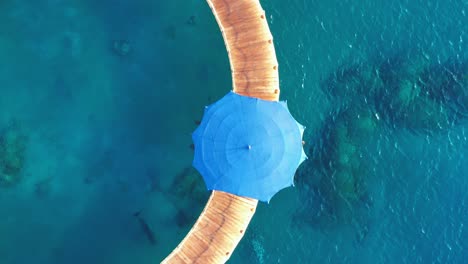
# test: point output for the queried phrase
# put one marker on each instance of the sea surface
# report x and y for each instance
(98, 100)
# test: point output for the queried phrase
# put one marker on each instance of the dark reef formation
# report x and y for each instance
(348, 81)
(415, 94)
(333, 181)
(189, 195)
(402, 92)
(448, 83)
(12, 154)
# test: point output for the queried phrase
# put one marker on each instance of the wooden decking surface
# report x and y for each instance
(250, 48)
(254, 67)
(217, 231)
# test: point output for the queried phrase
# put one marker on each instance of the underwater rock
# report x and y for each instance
(406, 101)
(146, 228)
(336, 172)
(191, 21)
(343, 136)
(12, 154)
(354, 85)
(190, 183)
(182, 219)
(121, 47)
(448, 83)
(189, 195)
(405, 91)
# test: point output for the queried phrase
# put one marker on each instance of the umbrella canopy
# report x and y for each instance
(248, 146)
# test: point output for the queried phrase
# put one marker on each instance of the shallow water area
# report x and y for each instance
(98, 100)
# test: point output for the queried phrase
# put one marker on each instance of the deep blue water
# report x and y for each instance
(98, 100)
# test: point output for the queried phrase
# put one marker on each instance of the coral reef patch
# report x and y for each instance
(376, 97)
(13, 144)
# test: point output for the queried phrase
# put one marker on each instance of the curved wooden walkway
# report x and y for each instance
(254, 67)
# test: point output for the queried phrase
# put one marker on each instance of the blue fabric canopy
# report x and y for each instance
(248, 146)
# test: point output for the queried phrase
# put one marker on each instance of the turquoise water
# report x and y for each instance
(98, 100)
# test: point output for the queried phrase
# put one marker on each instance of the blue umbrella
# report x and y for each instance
(248, 146)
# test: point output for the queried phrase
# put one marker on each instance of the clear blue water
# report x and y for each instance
(98, 100)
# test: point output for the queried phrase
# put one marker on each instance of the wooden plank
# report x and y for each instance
(250, 47)
(217, 231)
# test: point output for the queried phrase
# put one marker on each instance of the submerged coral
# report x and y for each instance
(448, 83)
(337, 171)
(349, 80)
(406, 91)
(12, 154)
(412, 96)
